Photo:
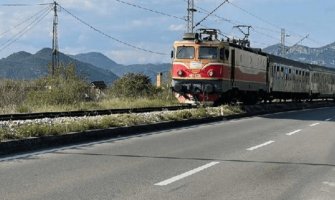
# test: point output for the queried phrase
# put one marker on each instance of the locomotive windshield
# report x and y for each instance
(208, 53)
(185, 52)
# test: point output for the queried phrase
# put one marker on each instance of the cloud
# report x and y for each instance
(137, 57)
(177, 27)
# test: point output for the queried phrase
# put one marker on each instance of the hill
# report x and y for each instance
(103, 62)
(23, 65)
(321, 56)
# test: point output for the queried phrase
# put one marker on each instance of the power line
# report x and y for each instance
(235, 23)
(108, 36)
(267, 22)
(150, 10)
(24, 21)
(24, 5)
(24, 30)
(251, 14)
(197, 24)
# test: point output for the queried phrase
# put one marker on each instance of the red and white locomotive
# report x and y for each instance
(206, 70)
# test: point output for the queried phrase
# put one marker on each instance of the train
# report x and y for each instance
(209, 70)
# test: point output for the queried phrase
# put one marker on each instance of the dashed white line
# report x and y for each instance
(331, 184)
(261, 145)
(186, 174)
(315, 124)
(293, 132)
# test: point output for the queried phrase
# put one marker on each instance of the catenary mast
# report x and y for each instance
(55, 52)
(190, 16)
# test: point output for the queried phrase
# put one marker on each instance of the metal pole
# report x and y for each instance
(190, 16)
(55, 54)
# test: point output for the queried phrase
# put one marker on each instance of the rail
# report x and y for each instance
(31, 116)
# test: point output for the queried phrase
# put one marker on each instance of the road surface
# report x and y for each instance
(279, 156)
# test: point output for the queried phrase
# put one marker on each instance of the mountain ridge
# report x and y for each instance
(97, 66)
(23, 65)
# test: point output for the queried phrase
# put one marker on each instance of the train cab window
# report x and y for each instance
(224, 54)
(184, 52)
(208, 53)
(290, 71)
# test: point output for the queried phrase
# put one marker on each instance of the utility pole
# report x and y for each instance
(55, 53)
(283, 36)
(190, 16)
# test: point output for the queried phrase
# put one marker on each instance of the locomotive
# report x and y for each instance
(207, 70)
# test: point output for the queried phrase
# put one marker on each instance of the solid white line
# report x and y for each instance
(186, 174)
(261, 145)
(315, 124)
(293, 132)
(328, 119)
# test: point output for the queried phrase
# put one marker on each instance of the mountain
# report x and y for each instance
(23, 65)
(96, 59)
(324, 56)
(103, 62)
(97, 66)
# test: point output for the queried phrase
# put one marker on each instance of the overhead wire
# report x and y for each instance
(27, 28)
(109, 36)
(23, 22)
(209, 14)
(23, 5)
(267, 22)
(150, 10)
(204, 11)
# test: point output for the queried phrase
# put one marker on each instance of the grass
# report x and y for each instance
(68, 92)
(66, 125)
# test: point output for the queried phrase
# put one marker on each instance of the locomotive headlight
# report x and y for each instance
(210, 73)
(180, 73)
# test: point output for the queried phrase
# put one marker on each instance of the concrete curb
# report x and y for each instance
(31, 144)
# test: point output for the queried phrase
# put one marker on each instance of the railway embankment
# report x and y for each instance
(28, 135)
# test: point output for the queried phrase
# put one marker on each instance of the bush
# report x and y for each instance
(132, 85)
(64, 88)
(13, 92)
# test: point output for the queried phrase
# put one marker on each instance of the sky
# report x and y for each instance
(157, 32)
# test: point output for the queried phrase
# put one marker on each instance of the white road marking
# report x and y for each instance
(331, 184)
(315, 124)
(261, 145)
(328, 119)
(293, 132)
(186, 174)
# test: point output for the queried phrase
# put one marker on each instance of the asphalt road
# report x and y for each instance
(281, 156)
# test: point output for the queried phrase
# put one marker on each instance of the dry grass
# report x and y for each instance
(103, 122)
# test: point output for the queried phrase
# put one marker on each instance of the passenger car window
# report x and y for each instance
(185, 52)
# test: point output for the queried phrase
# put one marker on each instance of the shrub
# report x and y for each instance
(13, 92)
(132, 85)
(65, 87)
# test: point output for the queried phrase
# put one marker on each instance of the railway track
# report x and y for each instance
(31, 116)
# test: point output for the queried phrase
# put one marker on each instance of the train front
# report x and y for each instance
(198, 68)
